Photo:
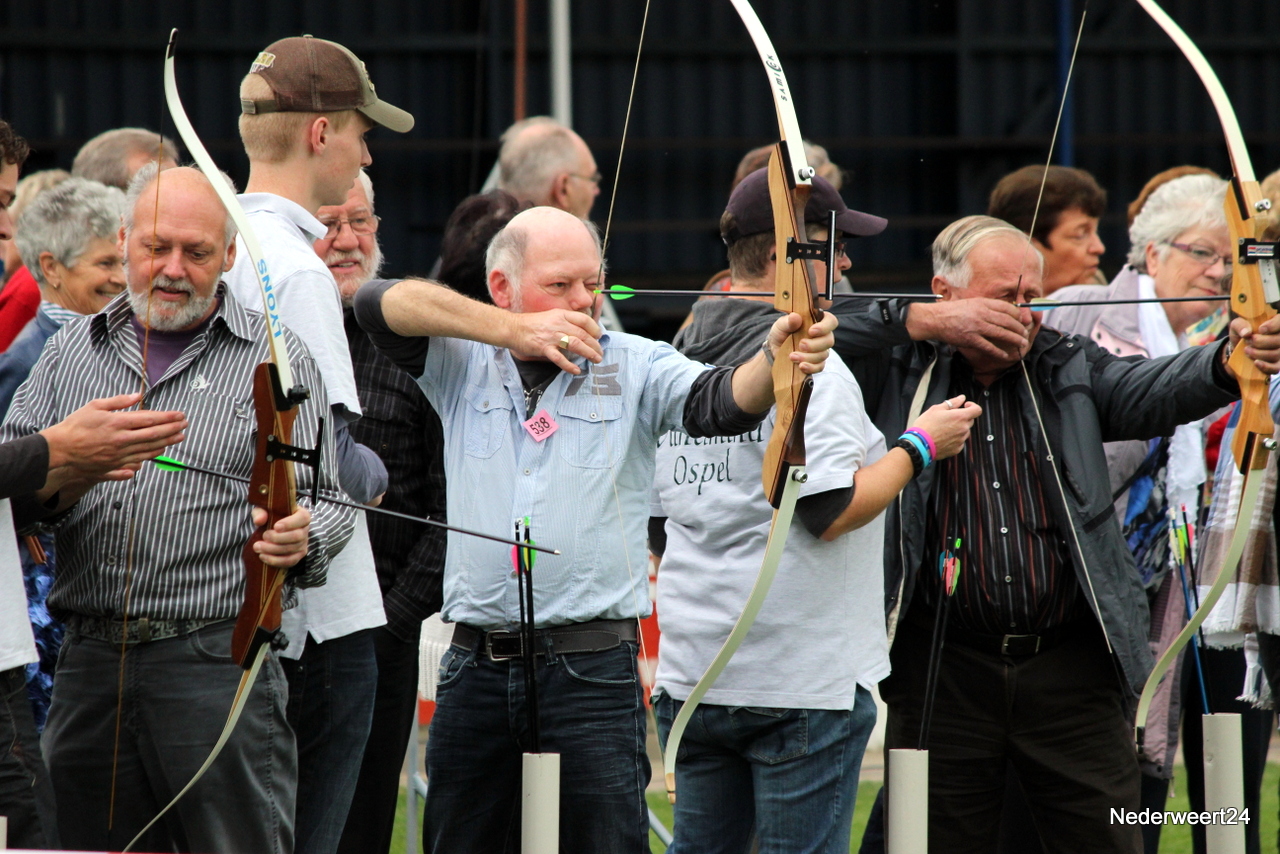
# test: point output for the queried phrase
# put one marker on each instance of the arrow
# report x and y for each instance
(170, 464)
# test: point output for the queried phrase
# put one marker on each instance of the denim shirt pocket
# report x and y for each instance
(488, 418)
(592, 435)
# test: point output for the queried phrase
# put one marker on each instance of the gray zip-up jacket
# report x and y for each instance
(1085, 396)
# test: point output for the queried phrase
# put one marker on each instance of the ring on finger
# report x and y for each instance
(565, 340)
(949, 404)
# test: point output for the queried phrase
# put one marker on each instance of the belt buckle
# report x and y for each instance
(502, 646)
(1004, 645)
(144, 629)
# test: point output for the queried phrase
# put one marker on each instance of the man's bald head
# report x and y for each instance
(548, 244)
(179, 186)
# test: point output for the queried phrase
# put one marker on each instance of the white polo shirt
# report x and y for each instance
(311, 306)
(17, 646)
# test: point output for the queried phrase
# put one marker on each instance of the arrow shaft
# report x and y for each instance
(770, 294)
(1050, 304)
(422, 520)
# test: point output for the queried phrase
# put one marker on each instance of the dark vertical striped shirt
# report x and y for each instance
(402, 428)
(171, 542)
(1016, 576)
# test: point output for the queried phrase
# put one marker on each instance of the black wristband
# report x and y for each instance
(917, 461)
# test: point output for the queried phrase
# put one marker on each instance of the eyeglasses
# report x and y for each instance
(1202, 255)
(366, 224)
(594, 179)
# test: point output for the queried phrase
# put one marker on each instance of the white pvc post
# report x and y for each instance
(4, 833)
(1224, 784)
(561, 82)
(540, 804)
(908, 802)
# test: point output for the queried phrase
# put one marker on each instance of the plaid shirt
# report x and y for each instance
(402, 428)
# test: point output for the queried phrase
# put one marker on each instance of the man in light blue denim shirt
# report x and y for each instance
(548, 417)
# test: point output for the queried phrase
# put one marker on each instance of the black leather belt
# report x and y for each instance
(137, 630)
(1014, 646)
(593, 636)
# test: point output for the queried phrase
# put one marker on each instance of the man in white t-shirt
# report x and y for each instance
(306, 105)
(777, 745)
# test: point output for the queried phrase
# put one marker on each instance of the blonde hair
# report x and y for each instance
(270, 137)
(33, 185)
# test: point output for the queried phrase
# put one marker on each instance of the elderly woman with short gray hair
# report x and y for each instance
(1179, 248)
(67, 237)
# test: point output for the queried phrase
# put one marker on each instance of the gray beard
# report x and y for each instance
(195, 309)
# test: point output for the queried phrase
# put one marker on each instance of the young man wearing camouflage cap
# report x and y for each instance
(306, 105)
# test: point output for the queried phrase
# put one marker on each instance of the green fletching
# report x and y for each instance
(618, 291)
(169, 464)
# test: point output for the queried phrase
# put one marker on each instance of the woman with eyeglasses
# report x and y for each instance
(1179, 248)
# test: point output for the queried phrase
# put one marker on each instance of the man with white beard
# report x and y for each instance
(406, 433)
(150, 570)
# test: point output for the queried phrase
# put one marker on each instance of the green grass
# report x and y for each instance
(1173, 840)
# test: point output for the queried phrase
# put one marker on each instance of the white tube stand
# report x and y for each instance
(1224, 783)
(540, 804)
(4, 833)
(908, 802)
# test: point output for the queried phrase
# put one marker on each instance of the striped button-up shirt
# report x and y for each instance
(171, 542)
(1016, 574)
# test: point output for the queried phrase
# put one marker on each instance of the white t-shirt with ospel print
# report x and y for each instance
(821, 632)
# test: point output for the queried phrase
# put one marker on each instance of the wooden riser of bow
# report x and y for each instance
(274, 489)
(793, 291)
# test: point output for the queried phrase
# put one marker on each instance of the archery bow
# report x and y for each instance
(1254, 296)
(272, 486)
(783, 471)
(275, 398)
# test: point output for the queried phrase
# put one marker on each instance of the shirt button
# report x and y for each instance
(594, 416)
(1004, 530)
(528, 471)
(116, 505)
(986, 392)
(996, 484)
(484, 405)
(990, 437)
(111, 560)
(1008, 578)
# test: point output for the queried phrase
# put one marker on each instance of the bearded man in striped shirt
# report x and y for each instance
(150, 574)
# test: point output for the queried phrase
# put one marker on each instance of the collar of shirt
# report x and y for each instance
(238, 320)
(57, 313)
(290, 210)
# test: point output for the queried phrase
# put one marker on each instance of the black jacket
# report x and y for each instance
(1084, 396)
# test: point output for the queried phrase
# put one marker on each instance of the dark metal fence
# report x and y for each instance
(925, 104)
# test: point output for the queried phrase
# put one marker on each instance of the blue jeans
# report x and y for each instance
(591, 713)
(791, 775)
(331, 691)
